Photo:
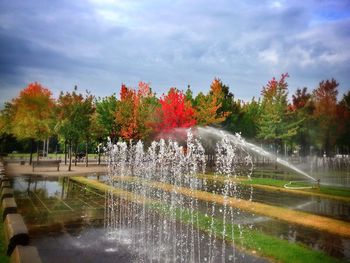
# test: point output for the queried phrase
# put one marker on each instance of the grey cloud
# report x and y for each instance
(173, 43)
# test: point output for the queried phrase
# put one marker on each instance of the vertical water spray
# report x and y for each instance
(161, 222)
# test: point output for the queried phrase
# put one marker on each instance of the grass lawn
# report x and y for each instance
(327, 190)
(253, 241)
(277, 184)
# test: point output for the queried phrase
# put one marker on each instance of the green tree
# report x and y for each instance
(74, 113)
(189, 95)
(6, 119)
(250, 114)
(276, 124)
(105, 116)
(98, 134)
(233, 108)
(86, 109)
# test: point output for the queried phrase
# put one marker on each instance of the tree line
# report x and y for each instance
(311, 122)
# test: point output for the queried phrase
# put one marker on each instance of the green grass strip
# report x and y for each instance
(264, 245)
(252, 240)
(269, 184)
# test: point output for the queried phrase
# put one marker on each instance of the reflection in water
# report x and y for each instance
(65, 221)
(331, 244)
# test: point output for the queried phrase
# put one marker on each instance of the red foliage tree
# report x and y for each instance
(325, 99)
(273, 87)
(300, 99)
(175, 112)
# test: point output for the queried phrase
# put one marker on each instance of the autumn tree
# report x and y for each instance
(275, 124)
(175, 112)
(134, 111)
(325, 100)
(302, 109)
(147, 116)
(32, 117)
(229, 104)
(207, 107)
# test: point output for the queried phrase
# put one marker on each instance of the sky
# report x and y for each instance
(100, 44)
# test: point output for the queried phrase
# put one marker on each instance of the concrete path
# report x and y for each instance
(80, 169)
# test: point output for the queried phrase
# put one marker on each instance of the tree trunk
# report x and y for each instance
(65, 152)
(47, 147)
(70, 156)
(86, 154)
(76, 153)
(99, 154)
(328, 145)
(31, 151)
(44, 148)
(37, 151)
(276, 153)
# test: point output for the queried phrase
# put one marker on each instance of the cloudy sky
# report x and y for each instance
(99, 44)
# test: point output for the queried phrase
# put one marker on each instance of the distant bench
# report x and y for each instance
(7, 161)
(47, 163)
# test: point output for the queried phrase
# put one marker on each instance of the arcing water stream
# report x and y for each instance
(252, 148)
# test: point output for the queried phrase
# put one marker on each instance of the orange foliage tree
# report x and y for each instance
(134, 111)
(33, 114)
(208, 106)
(325, 100)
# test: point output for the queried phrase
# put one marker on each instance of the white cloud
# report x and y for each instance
(109, 15)
(269, 56)
(300, 56)
(276, 4)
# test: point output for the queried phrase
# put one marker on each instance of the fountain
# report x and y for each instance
(161, 205)
(253, 148)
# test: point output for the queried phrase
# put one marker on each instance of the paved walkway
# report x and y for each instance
(80, 169)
